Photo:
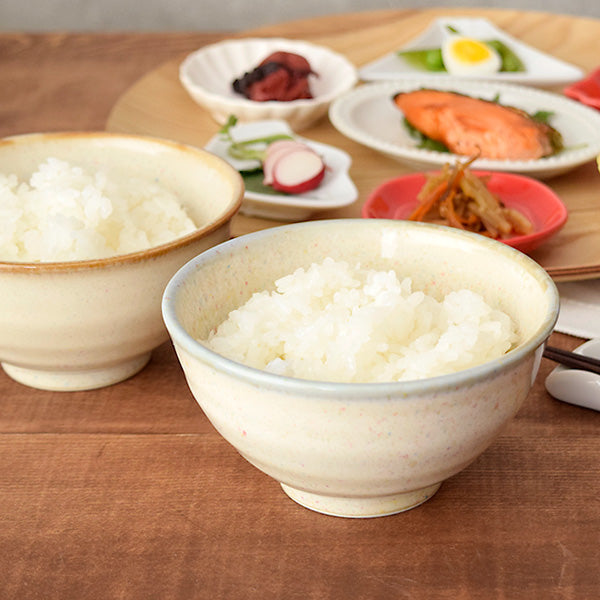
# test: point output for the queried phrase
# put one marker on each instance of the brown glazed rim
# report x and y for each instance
(141, 255)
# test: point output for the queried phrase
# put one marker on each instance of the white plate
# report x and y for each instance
(574, 385)
(208, 73)
(540, 68)
(335, 191)
(369, 116)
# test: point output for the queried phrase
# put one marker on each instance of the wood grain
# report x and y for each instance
(159, 515)
(159, 105)
(128, 492)
(66, 82)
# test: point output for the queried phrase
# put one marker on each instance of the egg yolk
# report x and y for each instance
(470, 51)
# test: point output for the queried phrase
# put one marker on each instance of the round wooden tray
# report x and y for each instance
(158, 105)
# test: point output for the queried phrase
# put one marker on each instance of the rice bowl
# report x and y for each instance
(368, 448)
(83, 324)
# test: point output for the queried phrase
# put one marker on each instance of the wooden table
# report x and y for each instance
(128, 492)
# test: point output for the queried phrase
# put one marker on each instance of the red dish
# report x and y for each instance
(397, 198)
(587, 90)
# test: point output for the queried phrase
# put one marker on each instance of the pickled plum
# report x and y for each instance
(281, 76)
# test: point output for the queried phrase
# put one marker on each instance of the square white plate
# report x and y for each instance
(540, 68)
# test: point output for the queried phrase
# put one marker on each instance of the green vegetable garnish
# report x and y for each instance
(511, 63)
(543, 116)
(246, 150)
(430, 59)
(556, 140)
(253, 182)
(253, 149)
(424, 142)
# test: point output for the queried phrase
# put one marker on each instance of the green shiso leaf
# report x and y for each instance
(424, 142)
(253, 182)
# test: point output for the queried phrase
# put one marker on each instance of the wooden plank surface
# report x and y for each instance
(160, 516)
(159, 105)
(129, 493)
(91, 513)
(70, 81)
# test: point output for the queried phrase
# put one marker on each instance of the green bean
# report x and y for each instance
(510, 61)
(429, 59)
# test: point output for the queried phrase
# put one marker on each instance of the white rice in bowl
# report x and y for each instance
(335, 322)
(65, 213)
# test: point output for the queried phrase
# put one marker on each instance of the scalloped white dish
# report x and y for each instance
(336, 190)
(208, 73)
(369, 116)
(540, 68)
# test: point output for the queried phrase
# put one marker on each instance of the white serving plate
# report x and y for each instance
(208, 73)
(368, 115)
(540, 68)
(575, 386)
(335, 191)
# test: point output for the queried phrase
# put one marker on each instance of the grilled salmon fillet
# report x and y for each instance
(470, 126)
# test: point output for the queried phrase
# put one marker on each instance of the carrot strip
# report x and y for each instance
(451, 215)
(427, 204)
(462, 200)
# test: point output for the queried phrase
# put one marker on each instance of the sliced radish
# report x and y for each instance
(280, 144)
(297, 171)
(274, 150)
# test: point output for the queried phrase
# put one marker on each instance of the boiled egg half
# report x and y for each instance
(468, 56)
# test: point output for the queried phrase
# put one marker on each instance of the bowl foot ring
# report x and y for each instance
(361, 507)
(71, 381)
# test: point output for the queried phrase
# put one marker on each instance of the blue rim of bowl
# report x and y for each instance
(345, 390)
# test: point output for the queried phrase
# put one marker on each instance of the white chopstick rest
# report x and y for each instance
(575, 386)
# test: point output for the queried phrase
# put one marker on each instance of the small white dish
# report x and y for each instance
(335, 191)
(540, 68)
(575, 386)
(368, 116)
(208, 73)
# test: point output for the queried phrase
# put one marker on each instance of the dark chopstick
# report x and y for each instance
(573, 360)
